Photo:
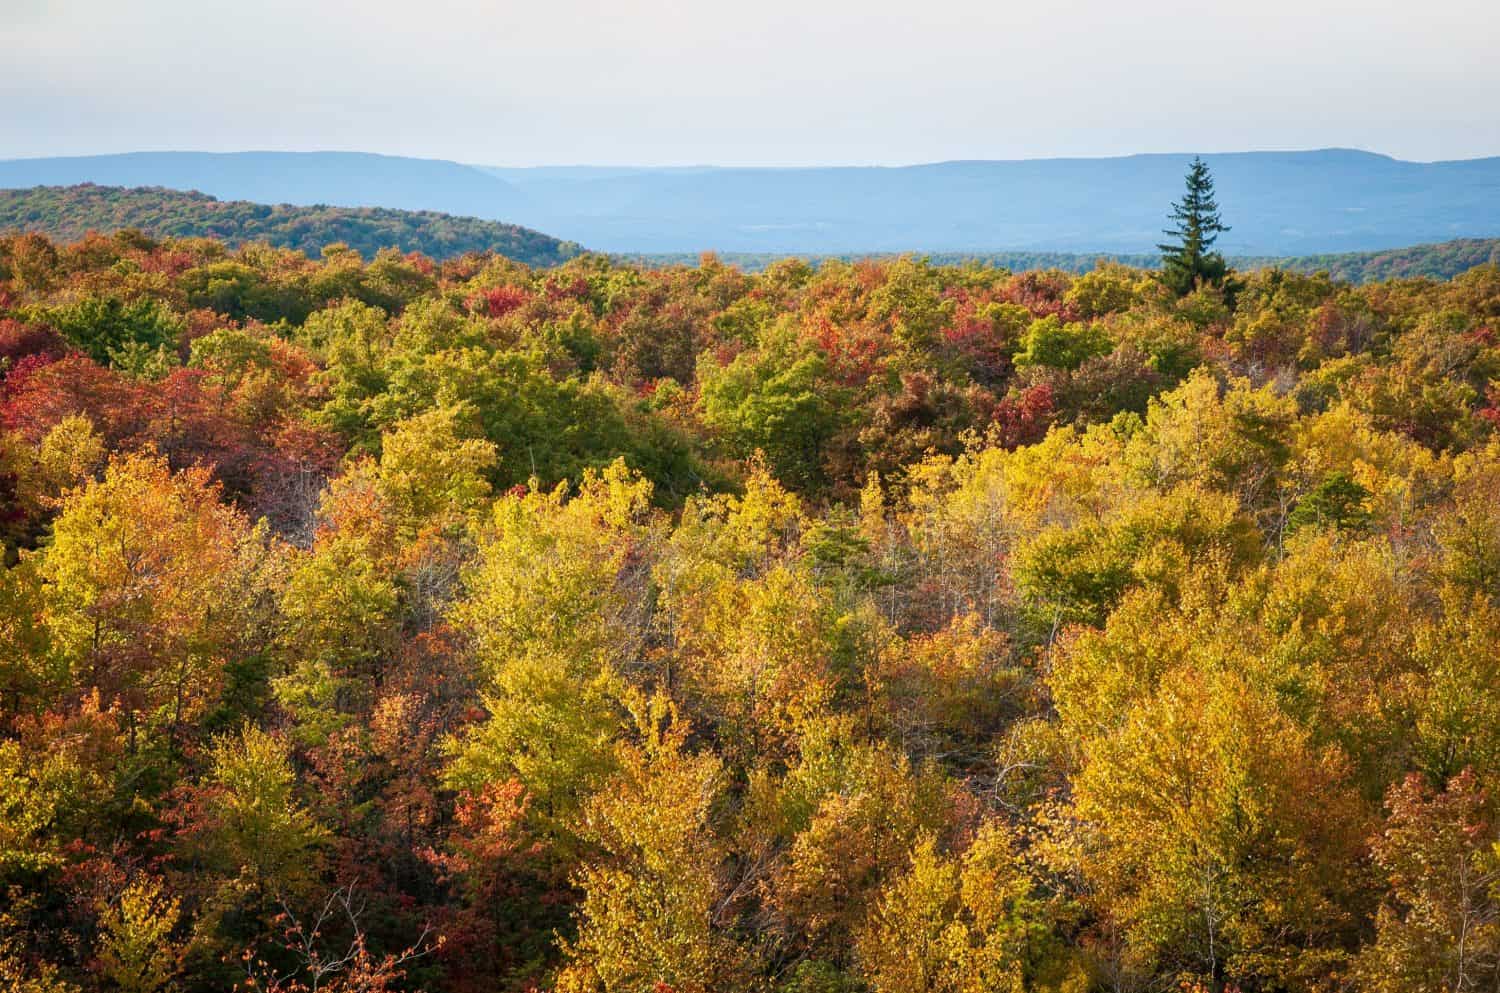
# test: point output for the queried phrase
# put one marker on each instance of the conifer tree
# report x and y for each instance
(1187, 261)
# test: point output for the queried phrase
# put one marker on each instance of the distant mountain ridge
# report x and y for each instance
(67, 213)
(1278, 203)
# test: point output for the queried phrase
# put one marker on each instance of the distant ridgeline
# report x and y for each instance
(1279, 203)
(67, 213)
(1440, 261)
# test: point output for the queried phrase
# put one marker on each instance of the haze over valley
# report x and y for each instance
(1283, 203)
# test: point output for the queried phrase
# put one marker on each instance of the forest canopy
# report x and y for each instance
(71, 212)
(377, 623)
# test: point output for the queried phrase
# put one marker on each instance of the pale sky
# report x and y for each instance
(764, 82)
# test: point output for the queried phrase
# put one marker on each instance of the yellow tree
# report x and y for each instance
(340, 612)
(1457, 709)
(137, 952)
(947, 693)
(840, 821)
(30, 675)
(149, 586)
(70, 452)
(21, 969)
(1219, 839)
(33, 791)
(432, 470)
(655, 906)
(968, 924)
(555, 608)
(1469, 531)
(246, 821)
(56, 780)
(760, 664)
(1235, 438)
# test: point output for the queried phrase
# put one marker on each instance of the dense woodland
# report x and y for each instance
(69, 213)
(392, 625)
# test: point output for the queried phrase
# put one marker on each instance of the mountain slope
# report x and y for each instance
(67, 213)
(345, 179)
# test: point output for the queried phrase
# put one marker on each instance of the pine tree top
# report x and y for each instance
(1197, 213)
(1186, 256)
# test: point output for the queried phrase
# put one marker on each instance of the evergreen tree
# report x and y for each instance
(1187, 261)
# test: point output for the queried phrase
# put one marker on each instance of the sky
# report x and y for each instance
(765, 82)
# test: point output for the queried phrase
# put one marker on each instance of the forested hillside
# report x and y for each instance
(70, 212)
(344, 179)
(387, 624)
(1438, 261)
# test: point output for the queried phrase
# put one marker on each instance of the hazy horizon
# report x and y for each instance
(688, 166)
(1280, 203)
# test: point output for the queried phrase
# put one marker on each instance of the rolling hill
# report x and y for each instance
(67, 213)
(1441, 261)
(344, 179)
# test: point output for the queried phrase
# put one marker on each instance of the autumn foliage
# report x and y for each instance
(377, 625)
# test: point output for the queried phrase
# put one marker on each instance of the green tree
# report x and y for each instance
(778, 400)
(1337, 502)
(108, 329)
(1187, 260)
(1050, 342)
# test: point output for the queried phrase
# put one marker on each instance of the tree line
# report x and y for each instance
(1437, 261)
